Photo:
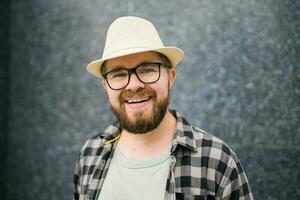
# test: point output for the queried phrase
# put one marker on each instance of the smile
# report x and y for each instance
(134, 101)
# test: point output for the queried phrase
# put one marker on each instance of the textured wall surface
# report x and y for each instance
(239, 81)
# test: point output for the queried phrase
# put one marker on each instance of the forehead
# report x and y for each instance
(133, 59)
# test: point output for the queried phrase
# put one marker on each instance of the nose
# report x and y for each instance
(134, 83)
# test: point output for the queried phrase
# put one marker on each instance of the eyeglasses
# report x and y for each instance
(119, 78)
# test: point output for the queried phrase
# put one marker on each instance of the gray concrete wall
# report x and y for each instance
(239, 81)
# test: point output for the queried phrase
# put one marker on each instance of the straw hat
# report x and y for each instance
(129, 35)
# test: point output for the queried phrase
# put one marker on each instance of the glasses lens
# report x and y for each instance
(118, 78)
(148, 72)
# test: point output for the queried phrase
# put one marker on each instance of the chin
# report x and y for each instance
(143, 114)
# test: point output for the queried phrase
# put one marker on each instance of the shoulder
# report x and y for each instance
(200, 145)
(96, 143)
(223, 166)
(207, 140)
(206, 164)
(91, 144)
(214, 148)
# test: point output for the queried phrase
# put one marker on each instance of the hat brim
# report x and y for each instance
(174, 54)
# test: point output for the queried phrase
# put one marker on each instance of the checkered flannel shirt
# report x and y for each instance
(202, 166)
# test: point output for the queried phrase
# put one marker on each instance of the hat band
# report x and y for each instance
(126, 52)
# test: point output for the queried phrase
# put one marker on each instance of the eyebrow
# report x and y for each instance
(117, 67)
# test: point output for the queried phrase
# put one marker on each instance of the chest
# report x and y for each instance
(136, 179)
(188, 177)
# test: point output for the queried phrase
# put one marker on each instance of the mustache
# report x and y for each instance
(140, 92)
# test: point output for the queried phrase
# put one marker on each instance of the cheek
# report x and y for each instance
(165, 83)
(162, 88)
(113, 97)
(165, 79)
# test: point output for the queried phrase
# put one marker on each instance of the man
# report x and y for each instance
(151, 152)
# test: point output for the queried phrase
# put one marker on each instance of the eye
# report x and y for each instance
(148, 68)
(117, 74)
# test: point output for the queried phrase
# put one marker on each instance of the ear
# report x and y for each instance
(172, 76)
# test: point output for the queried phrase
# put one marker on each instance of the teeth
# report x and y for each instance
(137, 100)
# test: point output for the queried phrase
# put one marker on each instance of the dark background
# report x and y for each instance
(239, 81)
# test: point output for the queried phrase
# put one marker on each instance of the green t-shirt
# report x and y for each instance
(136, 179)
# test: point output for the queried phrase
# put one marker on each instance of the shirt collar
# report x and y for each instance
(183, 136)
(111, 133)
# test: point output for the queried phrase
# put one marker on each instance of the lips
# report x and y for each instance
(137, 103)
(137, 100)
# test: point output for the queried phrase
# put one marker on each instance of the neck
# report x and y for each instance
(141, 146)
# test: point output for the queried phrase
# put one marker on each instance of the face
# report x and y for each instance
(140, 107)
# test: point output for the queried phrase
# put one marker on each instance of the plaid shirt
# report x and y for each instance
(202, 166)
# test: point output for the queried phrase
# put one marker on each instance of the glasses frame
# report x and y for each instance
(131, 71)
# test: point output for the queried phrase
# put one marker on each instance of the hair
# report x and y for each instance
(166, 62)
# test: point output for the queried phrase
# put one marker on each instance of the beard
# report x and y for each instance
(140, 122)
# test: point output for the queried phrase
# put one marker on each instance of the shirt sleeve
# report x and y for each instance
(76, 180)
(235, 185)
